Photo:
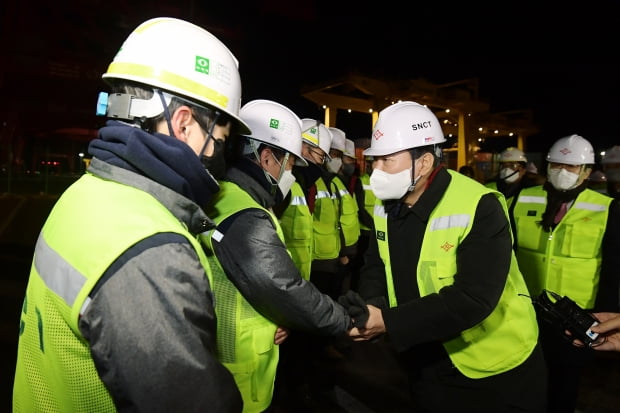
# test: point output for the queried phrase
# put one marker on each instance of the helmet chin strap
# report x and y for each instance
(166, 112)
(506, 177)
(209, 135)
(415, 180)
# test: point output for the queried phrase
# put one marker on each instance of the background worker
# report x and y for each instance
(463, 326)
(568, 241)
(121, 317)
(359, 186)
(347, 210)
(513, 177)
(258, 285)
(611, 167)
(299, 356)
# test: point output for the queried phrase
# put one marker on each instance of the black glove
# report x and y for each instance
(356, 307)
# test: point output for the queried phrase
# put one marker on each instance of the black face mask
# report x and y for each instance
(348, 169)
(216, 163)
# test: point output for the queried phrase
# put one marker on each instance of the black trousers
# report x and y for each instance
(439, 387)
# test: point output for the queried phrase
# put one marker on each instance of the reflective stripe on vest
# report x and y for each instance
(566, 260)
(296, 224)
(55, 370)
(349, 220)
(326, 228)
(246, 349)
(508, 335)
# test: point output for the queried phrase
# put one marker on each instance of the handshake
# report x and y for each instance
(356, 307)
(366, 316)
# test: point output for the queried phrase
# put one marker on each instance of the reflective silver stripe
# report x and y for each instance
(58, 274)
(344, 192)
(450, 221)
(367, 187)
(590, 207)
(532, 199)
(85, 305)
(379, 211)
(323, 194)
(299, 200)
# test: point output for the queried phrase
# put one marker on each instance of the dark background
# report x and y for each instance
(557, 61)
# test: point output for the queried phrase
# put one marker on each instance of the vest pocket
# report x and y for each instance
(581, 241)
(528, 233)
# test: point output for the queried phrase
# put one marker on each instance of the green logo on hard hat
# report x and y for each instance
(274, 123)
(202, 65)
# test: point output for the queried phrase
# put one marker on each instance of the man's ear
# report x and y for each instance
(427, 162)
(265, 156)
(181, 120)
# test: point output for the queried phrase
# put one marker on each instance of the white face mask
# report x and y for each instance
(613, 174)
(561, 179)
(391, 186)
(286, 181)
(334, 164)
(509, 175)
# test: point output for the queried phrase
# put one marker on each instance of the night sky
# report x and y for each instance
(558, 62)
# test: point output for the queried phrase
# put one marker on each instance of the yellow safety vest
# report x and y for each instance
(55, 371)
(349, 222)
(296, 224)
(245, 338)
(566, 260)
(326, 228)
(369, 198)
(509, 334)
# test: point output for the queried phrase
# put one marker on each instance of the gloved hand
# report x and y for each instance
(356, 307)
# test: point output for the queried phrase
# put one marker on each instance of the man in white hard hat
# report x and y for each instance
(462, 323)
(260, 283)
(513, 175)
(568, 237)
(119, 311)
(512, 178)
(611, 167)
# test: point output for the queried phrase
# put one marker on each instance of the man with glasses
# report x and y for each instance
(119, 310)
(568, 237)
(512, 178)
(259, 286)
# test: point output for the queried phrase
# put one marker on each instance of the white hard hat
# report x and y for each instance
(571, 150)
(612, 155)
(531, 167)
(316, 134)
(338, 139)
(184, 60)
(404, 125)
(349, 148)
(512, 154)
(273, 124)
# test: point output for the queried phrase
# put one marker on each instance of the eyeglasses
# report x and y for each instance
(511, 165)
(319, 154)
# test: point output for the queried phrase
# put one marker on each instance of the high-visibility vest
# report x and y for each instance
(509, 334)
(296, 224)
(325, 224)
(349, 221)
(55, 370)
(245, 338)
(369, 197)
(568, 259)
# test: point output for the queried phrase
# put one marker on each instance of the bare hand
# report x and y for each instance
(280, 336)
(609, 328)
